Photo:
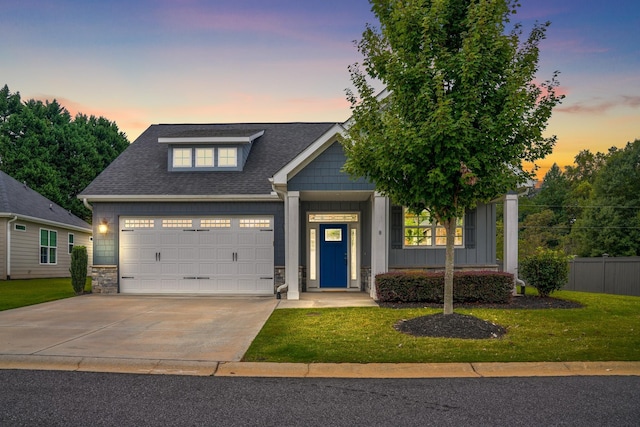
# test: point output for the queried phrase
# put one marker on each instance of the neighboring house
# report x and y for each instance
(238, 209)
(36, 235)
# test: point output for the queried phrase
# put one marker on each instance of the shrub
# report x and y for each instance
(546, 270)
(78, 270)
(468, 287)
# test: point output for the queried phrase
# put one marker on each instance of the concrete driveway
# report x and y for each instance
(207, 329)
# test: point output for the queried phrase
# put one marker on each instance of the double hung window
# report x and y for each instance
(48, 246)
(422, 230)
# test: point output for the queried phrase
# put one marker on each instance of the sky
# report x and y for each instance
(142, 62)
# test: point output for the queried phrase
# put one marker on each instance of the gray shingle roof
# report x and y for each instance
(18, 199)
(142, 168)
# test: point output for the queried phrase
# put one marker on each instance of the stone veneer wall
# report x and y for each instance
(104, 279)
(365, 279)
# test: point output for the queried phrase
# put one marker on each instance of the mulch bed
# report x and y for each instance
(468, 327)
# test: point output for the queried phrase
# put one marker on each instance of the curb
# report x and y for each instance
(318, 370)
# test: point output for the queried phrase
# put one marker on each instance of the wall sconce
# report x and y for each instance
(103, 227)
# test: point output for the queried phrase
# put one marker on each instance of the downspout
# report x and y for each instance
(86, 204)
(15, 218)
(282, 194)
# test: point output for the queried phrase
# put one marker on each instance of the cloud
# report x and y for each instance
(577, 46)
(597, 106)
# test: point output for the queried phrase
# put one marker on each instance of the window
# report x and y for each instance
(312, 254)
(182, 157)
(20, 227)
(216, 223)
(138, 223)
(70, 241)
(227, 157)
(48, 246)
(422, 231)
(255, 223)
(177, 223)
(204, 157)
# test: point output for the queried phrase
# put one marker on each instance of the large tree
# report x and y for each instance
(462, 110)
(55, 154)
(610, 222)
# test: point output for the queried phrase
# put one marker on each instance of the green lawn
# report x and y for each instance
(19, 293)
(607, 328)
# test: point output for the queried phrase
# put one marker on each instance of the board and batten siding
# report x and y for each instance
(479, 243)
(25, 251)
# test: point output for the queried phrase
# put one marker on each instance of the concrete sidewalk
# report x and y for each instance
(318, 370)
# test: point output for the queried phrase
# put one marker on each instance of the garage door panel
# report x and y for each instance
(264, 269)
(222, 257)
(264, 254)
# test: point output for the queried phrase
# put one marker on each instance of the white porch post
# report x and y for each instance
(292, 244)
(379, 239)
(510, 254)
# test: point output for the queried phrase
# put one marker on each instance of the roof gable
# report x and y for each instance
(18, 199)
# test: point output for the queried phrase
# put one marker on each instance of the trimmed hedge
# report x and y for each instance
(468, 287)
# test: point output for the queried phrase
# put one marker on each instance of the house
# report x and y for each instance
(36, 235)
(239, 209)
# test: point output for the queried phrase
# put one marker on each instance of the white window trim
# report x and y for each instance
(23, 230)
(71, 244)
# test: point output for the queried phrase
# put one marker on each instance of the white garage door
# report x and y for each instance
(204, 255)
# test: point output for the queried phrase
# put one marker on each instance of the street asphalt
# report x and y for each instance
(207, 336)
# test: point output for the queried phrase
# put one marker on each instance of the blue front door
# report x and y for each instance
(333, 255)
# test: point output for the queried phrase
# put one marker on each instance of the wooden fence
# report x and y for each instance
(608, 275)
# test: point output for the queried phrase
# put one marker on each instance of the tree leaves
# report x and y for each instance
(53, 153)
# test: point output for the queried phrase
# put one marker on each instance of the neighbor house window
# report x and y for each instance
(227, 157)
(70, 239)
(20, 227)
(182, 157)
(204, 157)
(48, 246)
(423, 231)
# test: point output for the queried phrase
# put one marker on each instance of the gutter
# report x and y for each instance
(15, 218)
(181, 198)
(48, 222)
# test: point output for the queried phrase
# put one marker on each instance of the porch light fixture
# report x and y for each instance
(103, 227)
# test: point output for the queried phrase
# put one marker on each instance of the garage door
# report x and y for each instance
(204, 255)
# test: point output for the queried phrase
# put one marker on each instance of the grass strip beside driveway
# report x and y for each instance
(20, 293)
(607, 328)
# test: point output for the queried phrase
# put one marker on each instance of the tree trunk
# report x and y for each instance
(450, 227)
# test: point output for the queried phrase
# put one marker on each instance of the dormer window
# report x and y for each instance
(204, 157)
(204, 151)
(227, 157)
(182, 157)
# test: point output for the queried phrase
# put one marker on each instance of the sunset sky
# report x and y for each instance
(195, 61)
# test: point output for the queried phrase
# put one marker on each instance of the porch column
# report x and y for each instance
(292, 242)
(510, 254)
(379, 239)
